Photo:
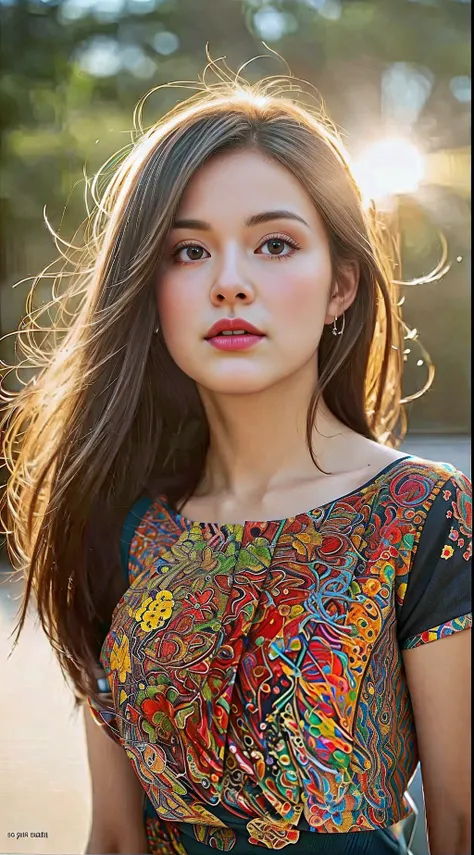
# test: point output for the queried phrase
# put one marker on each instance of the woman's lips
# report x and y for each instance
(234, 342)
(233, 334)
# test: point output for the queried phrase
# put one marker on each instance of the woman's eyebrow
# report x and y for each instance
(255, 220)
(267, 216)
(192, 224)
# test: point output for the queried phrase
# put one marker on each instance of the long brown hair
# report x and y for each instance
(108, 414)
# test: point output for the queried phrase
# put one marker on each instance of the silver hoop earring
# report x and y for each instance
(335, 330)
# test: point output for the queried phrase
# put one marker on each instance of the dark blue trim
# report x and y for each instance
(132, 520)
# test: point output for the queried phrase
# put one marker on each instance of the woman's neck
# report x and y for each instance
(258, 442)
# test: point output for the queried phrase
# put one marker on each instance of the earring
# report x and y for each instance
(335, 330)
(156, 330)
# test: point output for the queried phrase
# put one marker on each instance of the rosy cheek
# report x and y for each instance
(172, 296)
(312, 282)
(300, 292)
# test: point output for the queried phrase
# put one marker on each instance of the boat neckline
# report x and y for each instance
(380, 475)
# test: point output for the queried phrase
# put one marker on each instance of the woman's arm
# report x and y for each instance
(117, 796)
(438, 677)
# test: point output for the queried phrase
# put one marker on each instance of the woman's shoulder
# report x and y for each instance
(433, 590)
(431, 497)
(404, 473)
(426, 477)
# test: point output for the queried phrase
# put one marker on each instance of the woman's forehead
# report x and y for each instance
(244, 183)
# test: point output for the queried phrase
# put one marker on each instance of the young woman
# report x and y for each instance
(209, 504)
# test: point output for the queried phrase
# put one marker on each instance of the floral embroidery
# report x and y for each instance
(198, 604)
(461, 514)
(155, 611)
(258, 676)
(120, 659)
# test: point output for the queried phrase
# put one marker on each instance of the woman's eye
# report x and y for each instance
(277, 246)
(191, 252)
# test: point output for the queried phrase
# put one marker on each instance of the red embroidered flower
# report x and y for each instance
(197, 603)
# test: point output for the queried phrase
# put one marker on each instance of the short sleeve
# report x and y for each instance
(437, 600)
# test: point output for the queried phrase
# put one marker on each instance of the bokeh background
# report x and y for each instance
(73, 71)
(394, 76)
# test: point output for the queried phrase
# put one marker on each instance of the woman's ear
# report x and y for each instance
(344, 291)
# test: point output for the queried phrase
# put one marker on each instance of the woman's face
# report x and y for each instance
(249, 247)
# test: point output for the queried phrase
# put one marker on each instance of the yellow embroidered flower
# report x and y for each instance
(447, 552)
(141, 611)
(120, 659)
(154, 612)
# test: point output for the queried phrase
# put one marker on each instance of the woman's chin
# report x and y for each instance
(237, 383)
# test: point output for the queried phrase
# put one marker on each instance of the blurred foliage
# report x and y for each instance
(73, 71)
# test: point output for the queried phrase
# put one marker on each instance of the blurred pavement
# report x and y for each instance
(44, 787)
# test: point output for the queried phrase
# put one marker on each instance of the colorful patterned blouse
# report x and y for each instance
(255, 671)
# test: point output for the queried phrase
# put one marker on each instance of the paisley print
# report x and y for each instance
(257, 668)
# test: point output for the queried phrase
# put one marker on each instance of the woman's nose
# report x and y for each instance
(232, 284)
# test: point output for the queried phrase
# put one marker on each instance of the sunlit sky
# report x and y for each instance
(388, 167)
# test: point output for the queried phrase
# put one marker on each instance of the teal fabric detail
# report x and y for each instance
(132, 520)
